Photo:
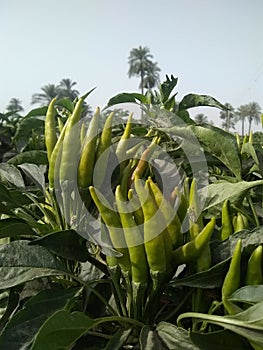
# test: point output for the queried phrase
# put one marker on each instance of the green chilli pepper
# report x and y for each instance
(170, 215)
(194, 210)
(239, 223)
(192, 250)
(113, 223)
(226, 228)
(232, 279)
(50, 128)
(87, 157)
(254, 268)
(137, 209)
(123, 142)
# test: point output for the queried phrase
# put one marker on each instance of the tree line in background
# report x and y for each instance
(142, 66)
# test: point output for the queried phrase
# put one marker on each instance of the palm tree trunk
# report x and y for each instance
(249, 125)
(243, 126)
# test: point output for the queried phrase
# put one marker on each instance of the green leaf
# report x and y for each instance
(12, 227)
(248, 323)
(149, 339)
(118, 339)
(219, 340)
(11, 174)
(167, 87)
(173, 337)
(217, 193)
(194, 100)
(37, 112)
(20, 262)
(126, 97)
(36, 157)
(62, 330)
(249, 149)
(22, 327)
(248, 294)
(35, 173)
(24, 130)
(220, 144)
(211, 278)
(67, 244)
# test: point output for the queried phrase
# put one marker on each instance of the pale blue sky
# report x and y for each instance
(215, 47)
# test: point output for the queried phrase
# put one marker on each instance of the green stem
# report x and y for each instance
(253, 210)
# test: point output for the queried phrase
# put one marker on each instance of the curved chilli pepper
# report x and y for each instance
(87, 157)
(113, 223)
(170, 215)
(232, 279)
(154, 244)
(143, 162)
(254, 267)
(192, 250)
(135, 202)
(227, 228)
(239, 224)
(125, 179)
(122, 144)
(182, 204)
(54, 156)
(50, 128)
(71, 144)
(195, 217)
(132, 234)
(105, 138)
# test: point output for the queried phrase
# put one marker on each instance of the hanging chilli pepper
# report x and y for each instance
(238, 223)
(87, 157)
(226, 228)
(171, 217)
(191, 250)
(50, 128)
(232, 279)
(254, 267)
(123, 142)
(194, 210)
(113, 223)
(137, 209)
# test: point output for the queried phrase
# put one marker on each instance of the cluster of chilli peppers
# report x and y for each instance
(144, 227)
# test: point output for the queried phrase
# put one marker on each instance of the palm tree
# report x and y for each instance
(250, 111)
(254, 112)
(14, 107)
(201, 119)
(141, 65)
(49, 91)
(228, 116)
(66, 89)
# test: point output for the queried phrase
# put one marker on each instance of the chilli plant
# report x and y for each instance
(140, 235)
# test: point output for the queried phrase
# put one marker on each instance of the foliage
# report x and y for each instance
(61, 287)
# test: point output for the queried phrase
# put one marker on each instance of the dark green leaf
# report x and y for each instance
(37, 112)
(20, 262)
(173, 337)
(248, 294)
(211, 278)
(35, 173)
(194, 100)
(126, 97)
(67, 244)
(219, 340)
(22, 327)
(118, 339)
(167, 87)
(12, 227)
(37, 157)
(11, 174)
(62, 330)
(149, 339)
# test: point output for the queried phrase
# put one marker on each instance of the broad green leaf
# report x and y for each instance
(249, 149)
(217, 193)
(14, 227)
(219, 143)
(3, 302)
(24, 130)
(167, 87)
(173, 337)
(211, 278)
(20, 262)
(35, 173)
(219, 340)
(127, 97)
(11, 174)
(62, 330)
(67, 244)
(149, 339)
(248, 294)
(37, 112)
(194, 100)
(36, 157)
(22, 327)
(118, 339)
(66, 103)
(248, 323)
